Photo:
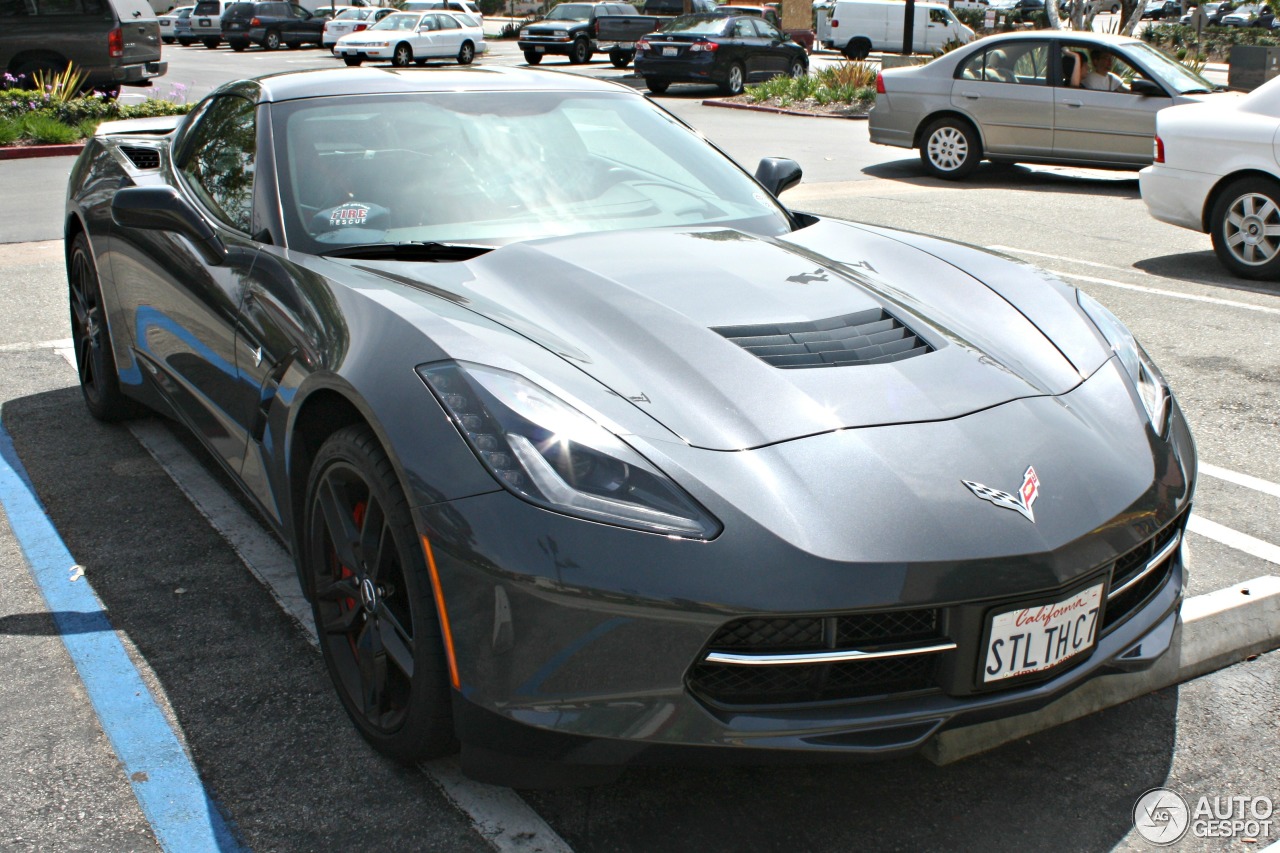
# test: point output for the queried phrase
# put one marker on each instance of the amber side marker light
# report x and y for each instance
(444, 614)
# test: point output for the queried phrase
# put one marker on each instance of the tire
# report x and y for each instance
(372, 600)
(186, 42)
(168, 39)
(271, 41)
(857, 49)
(211, 42)
(402, 57)
(238, 46)
(294, 45)
(736, 80)
(532, 58)
(1249, 247)
(353, 61)
(580, 53)
(621, 58)
(653, 84)
(421, 63)
(466, 53)
(91, 337)
(799, 69)
(950, 148)
(43, 65)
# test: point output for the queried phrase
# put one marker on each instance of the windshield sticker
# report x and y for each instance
(352, 213)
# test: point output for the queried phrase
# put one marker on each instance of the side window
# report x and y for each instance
(448, 22)
(1017, 62)
(219, 162)
(767, 30)
(299, 12)
(937, 16)
(742, 29)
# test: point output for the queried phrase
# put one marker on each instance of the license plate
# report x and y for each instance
(670, 51)
(1032, 639)
(236, 27)
(537, 48)
(204, 22)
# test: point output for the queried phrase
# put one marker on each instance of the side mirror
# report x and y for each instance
(1146, 88)
(778, 174)
(162, 209)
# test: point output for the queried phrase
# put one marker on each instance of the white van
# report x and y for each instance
(860, 26)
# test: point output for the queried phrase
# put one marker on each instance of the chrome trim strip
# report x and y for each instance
(1152, 564)
(823, 657)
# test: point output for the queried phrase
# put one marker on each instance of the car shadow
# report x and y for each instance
(1053, 179)
(1203, 268)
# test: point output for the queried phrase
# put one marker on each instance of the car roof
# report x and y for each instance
(327, 82)
(1064, 35)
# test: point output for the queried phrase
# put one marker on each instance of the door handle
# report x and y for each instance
(1073, 104)
(973, 96)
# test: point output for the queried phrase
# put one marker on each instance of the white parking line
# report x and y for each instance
(28, 346)
(1257, 484)
(1234, 539)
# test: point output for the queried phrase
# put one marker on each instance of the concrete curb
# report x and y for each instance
(778, 110)
(1216, 630)
(28, 152)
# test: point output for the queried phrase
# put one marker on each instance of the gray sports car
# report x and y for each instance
(590, 452)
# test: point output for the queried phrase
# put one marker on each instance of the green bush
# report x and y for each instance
(46, 130)
(46, 120)
(10, 130)
(846, 84)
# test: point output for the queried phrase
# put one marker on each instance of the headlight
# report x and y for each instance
(553, 455)
(1141, 369)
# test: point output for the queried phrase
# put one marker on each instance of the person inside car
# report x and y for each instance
(1099, 76)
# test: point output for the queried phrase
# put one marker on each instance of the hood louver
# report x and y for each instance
(142, 158)
(873, 336)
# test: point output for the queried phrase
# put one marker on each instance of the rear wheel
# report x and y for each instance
(1245, 225)
(374, 609)
(186, 42)
(532, 57)
(237, 46)
(580, 53)
(211, 43)
(271, 41)
(466, 53)
(402, 57)
(857, 49)
(950, 148)
(168, 39)
(621, 58)
(735, 81)
(655, 85)
(352, 60)
(95, 360)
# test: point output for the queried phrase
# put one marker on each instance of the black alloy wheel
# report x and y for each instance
(95, 361)
(532, 57)
(372, 599)
(466, 53)
(402, 57)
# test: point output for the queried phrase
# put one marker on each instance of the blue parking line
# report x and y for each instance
(172, 797)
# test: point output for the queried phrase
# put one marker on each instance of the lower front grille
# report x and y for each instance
(1127, 595)
(772, 685)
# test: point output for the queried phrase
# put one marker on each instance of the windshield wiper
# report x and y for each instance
(1202, 91)
(409, 251)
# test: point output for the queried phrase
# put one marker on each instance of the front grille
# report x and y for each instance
(773, 685)
(1129, 566)
(142, 158)
(873, 336)
(734, 684)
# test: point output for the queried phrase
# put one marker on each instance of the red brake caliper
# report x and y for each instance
(350, 604)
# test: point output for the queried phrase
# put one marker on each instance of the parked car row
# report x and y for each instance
(407, 38)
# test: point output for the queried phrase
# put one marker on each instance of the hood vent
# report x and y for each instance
(142, 158)
(873, 336)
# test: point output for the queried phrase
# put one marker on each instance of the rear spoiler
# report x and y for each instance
(158, 126)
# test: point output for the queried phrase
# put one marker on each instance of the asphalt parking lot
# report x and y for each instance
(240, 686)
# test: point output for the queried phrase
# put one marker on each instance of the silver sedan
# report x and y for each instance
(1020, 98)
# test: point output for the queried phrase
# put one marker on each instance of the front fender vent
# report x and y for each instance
(142, 158)
(873, 336)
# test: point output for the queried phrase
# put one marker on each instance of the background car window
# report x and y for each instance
(220, 160)
(937, 16)
(767, 30)
(742, 29)
(299, 12)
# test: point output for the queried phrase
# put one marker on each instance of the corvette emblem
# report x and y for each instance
(1020, 502)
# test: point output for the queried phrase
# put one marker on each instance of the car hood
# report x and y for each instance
(652, 314)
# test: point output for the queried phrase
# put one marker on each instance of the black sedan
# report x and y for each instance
(589, 451)
(728, 50)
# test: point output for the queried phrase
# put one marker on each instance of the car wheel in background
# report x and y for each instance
(186, 42)
(466, 53)
(168, 39)
(237, 46)
(735, 81)
(950, 148)
(372, 598)
(352, 60)
(95, 360)
(580, 53)
(798, 69)
(271, 41)
(1245, 225)
(857, 49)
(532, 58)
(211, 43)
(656, 85)
(621, 58)
(402, 56)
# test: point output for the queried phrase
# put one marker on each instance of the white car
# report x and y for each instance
(466, 7)
(1216, 170)
(169, 23)
(407, 37)
(352, 20)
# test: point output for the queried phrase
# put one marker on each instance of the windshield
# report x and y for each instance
(707, 25)
(1168, 70)
(352, 14)
(402, 21)
(569, 12)
(496, 167)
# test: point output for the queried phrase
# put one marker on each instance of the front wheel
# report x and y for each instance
(271, 41)
(168, 39)
(798, 69)
(950, 149)
(372, 599)
(735, 82)
(353, 61)
(467, 53)
(1246, 228)
(95, 360)
(403, 56)
(653, 84)
(532, 57)
(580, 53)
